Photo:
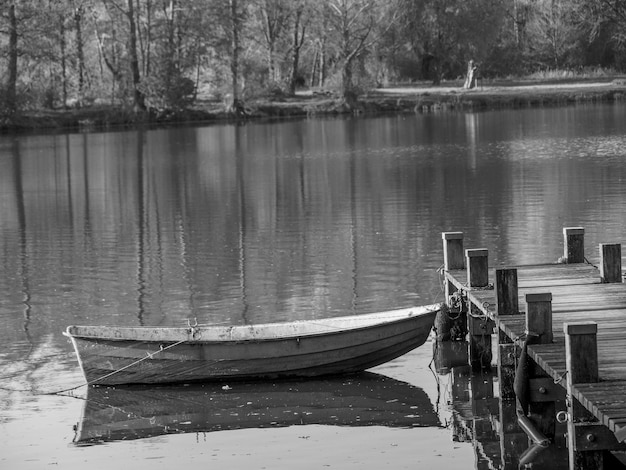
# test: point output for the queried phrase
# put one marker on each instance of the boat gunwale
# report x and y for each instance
(188, 334)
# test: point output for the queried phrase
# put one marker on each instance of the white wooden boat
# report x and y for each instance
(141, 411)
(151, 355)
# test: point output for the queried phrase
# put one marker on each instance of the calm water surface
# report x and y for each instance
(270, 222)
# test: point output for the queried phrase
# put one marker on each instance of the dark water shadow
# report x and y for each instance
(368, 399)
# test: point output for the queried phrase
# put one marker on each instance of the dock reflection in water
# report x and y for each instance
(481, 417)
(367, 399)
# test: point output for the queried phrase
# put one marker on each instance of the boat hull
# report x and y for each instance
(305, 352)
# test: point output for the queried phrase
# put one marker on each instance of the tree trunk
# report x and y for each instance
(138, 98)
(314, 68)
(236, 105)
(347, 87)
(470, 78)
(295, 57)
(80, 53)
(11, 92)
(63, 46)
(322, 65)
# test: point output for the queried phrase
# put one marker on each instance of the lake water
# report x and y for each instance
(269, 222)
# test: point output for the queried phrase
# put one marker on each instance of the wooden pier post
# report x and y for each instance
(589, 441)
(574, 244)
(451, 322)
(507, 304)
(507, 292)
(581, 358)
(452, 250)
(480, 328)
(610, 262)
(539, 317)
(477, 267)
(543, 392)
(513, 441)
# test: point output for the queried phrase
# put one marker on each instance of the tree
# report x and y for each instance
(298, 36)
(168, 55)
(79, 11)
(226, 24)
(443, 35)
(553, 33)
(604, 23)
(138, 97)
(352, 22)
(235, 21)
(11, 88)
(273, 16)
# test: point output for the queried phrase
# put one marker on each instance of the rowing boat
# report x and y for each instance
(111, 355)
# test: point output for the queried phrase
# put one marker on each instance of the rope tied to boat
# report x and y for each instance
(149, 355)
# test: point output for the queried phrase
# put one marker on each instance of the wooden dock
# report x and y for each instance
(562, 358)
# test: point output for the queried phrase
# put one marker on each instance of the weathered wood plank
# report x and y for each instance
(606, 400)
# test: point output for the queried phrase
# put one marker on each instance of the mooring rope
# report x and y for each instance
(138, 361)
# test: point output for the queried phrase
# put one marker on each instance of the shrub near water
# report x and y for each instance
(578, 74)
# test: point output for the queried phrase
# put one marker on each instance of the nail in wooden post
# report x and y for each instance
(610, 262)
(581, 358)
(453, 250)
(539, 317)
(574, 244)
(506, 292)
(477, 267)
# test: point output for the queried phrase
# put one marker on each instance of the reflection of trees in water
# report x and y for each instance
(20, 210)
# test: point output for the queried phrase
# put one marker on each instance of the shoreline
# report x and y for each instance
(408, 99)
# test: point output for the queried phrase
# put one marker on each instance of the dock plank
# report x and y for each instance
(606, 400)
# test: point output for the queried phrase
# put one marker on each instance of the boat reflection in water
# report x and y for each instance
(365, 399)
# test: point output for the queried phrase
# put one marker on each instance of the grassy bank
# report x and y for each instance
(407, 99)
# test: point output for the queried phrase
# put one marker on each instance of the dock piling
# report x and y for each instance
(480, 327)
(451, 322)
(543, 393)
(477, 267)
(539, 317)
(581, 358)
(574, 244)
(452, 250)
(506, 292)
(610, 262)
(507, 303)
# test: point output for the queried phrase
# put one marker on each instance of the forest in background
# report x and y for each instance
(156, 55)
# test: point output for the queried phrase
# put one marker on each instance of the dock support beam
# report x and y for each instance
(477, 267)
(581, 357)
(480, 327)
(451, 321)
(452, 250)
(610, 262)
(543, 392)
(507, 303)
(507, 292)
(539, 317)
(574, 244)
